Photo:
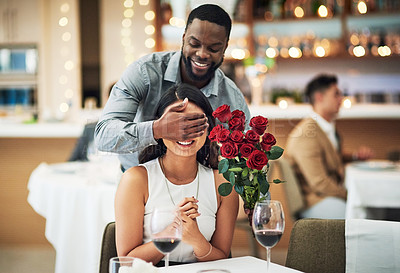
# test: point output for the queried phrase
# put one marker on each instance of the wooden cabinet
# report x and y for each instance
(19, 21)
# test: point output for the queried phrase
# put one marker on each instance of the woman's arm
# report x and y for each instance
(130, 200)
(221, 241)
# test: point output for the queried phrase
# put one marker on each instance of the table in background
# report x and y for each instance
(77, 200)
(371, 188)
(246, 264)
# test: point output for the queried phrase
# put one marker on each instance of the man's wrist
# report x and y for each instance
(155, 130)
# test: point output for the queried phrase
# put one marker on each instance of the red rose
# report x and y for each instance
(246, 149)
(252, 137)
(223, 135)
(268, 140)
(257, 160)
(237, 136)
(215, 131)
(236, 123)
(229, 150)
(223, 113)
(259, 124)
(239, 114)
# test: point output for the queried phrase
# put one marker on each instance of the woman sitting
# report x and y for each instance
(177, 174)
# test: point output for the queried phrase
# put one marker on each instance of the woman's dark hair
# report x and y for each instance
(211, 13)
(208, 154)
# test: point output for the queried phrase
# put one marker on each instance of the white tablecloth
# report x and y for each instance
(77, 200)
(245, 264)
(372, 246)
(375, 188)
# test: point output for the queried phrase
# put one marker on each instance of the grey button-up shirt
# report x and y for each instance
(125, 126)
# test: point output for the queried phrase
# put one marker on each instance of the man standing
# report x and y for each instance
(313, 150)
(125, 126)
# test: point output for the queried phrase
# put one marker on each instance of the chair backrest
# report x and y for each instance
(317, 245)
(108, 247)
(292, 189)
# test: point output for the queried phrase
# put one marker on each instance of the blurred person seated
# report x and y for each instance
(177, 174)
(314, 152)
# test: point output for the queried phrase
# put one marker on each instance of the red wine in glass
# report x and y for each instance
(166, 245)
(268, 224)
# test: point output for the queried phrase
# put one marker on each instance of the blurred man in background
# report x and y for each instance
(314, 150)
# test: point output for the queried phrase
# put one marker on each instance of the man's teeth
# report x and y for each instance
(200, 64)
(185, 142)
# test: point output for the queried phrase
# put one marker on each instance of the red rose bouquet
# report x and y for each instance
(245, 156)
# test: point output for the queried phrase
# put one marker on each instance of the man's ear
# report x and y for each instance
(318, 96)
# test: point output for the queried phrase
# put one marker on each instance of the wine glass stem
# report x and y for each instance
(166, 261)
(268, 257)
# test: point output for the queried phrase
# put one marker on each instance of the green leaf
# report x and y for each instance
(239, 189)
(278, 181)
(245, 172)
(226, 175)
(232, 178)
(275, 153)
(225, 189)
(264, 185)
(237, 169)
(223, 165)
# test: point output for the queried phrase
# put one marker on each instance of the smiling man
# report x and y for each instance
(126, 126)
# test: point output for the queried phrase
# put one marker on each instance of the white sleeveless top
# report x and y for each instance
(159, 197)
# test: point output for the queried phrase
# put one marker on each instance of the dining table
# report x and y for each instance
(373, 184)
(245, 264)
(77, 201)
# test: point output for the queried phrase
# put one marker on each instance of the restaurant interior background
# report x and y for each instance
(58, 59)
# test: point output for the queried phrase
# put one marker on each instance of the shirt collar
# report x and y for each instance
(325, 125)
(172, 74)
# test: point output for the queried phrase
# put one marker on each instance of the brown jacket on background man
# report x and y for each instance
(318, 166)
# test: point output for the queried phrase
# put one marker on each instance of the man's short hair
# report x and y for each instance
(211, 13)
(319, 84)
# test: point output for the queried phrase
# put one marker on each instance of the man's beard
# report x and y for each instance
(205, 77)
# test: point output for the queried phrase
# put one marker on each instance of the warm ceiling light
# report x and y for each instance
(143, 2)
(322, 11)
(320, 51)
(238, 54)
(384, 51)
(128, 13)
(359, 51)
(354, 39)
(295, 52)
(284, 52)
(63, 21)
(69, 65)
(150, 43)
(362, 7)
(298, 12)
(128, 3)
(273, 41)
(271, 52)
(149, 15)
(64, 8)
(66, 36)
(149, 29)
(64, 107)
(69, 93)
(126, 22)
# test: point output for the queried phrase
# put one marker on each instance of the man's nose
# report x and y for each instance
(202, 53)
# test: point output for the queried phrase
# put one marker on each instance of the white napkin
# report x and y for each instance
(140, 266)
(372, 246)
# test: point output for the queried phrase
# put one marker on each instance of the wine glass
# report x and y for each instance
(268, 224)
(166, 230)
(121, 264)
